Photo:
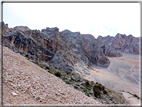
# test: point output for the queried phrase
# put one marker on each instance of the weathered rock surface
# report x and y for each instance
(66, 50)
(4, 27)
(127, 44)
(16, 28)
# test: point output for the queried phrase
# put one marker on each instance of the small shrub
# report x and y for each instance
(105, 92)
(136, 96)
(78, 79)
(92, 83)
(52, 70)
(67, 82)
(95, 87)
(82, 84)
(100, 87)
(87, 94)
(58, 74)
(103, 87)
(81, 87)
(75, 87)
(84, 90)
(87, 83)
(97, 93)
(47, 67)
(72, 78)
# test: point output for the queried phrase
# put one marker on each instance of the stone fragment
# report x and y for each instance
(14, 94)
(28, 87)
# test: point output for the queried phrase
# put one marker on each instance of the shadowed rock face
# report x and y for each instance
(66, 50)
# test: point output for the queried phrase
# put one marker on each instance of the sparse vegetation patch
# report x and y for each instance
(89, 88)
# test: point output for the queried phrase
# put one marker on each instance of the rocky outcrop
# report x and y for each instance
(106, 44)
(127, 44)
(6, 29)
(66, 50)
(22, 28)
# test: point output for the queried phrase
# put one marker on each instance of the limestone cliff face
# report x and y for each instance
(66, 50)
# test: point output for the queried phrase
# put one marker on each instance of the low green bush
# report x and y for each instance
(135, 96)
(97, 92)
(87, 94)
(87, 82)
(75, 87)
(67, 82)
(105, 92)
(99, 86)
(47, 67)
(58, 74)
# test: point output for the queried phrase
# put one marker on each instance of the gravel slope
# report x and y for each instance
(122, 74)
(26, 83)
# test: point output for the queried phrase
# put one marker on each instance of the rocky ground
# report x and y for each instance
(26, 83)
(122, 74)
(131, 99)
(71, 52)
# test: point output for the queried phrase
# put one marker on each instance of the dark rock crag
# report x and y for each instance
(66, 50)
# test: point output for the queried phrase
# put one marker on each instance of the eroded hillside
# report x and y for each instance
(26, 83)
(71, 52)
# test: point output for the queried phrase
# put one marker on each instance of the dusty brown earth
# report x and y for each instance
(26, 83)
(131, 99)
(122, 74)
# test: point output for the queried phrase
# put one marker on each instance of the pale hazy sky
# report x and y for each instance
(87, 18)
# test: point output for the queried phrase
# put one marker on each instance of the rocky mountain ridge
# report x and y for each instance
(66, 50)
(127, 44)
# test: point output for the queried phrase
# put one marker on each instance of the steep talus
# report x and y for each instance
(26, 83)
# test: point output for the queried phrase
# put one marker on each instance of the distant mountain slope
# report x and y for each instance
(26, 83)
(127, 44)
(123, 73)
